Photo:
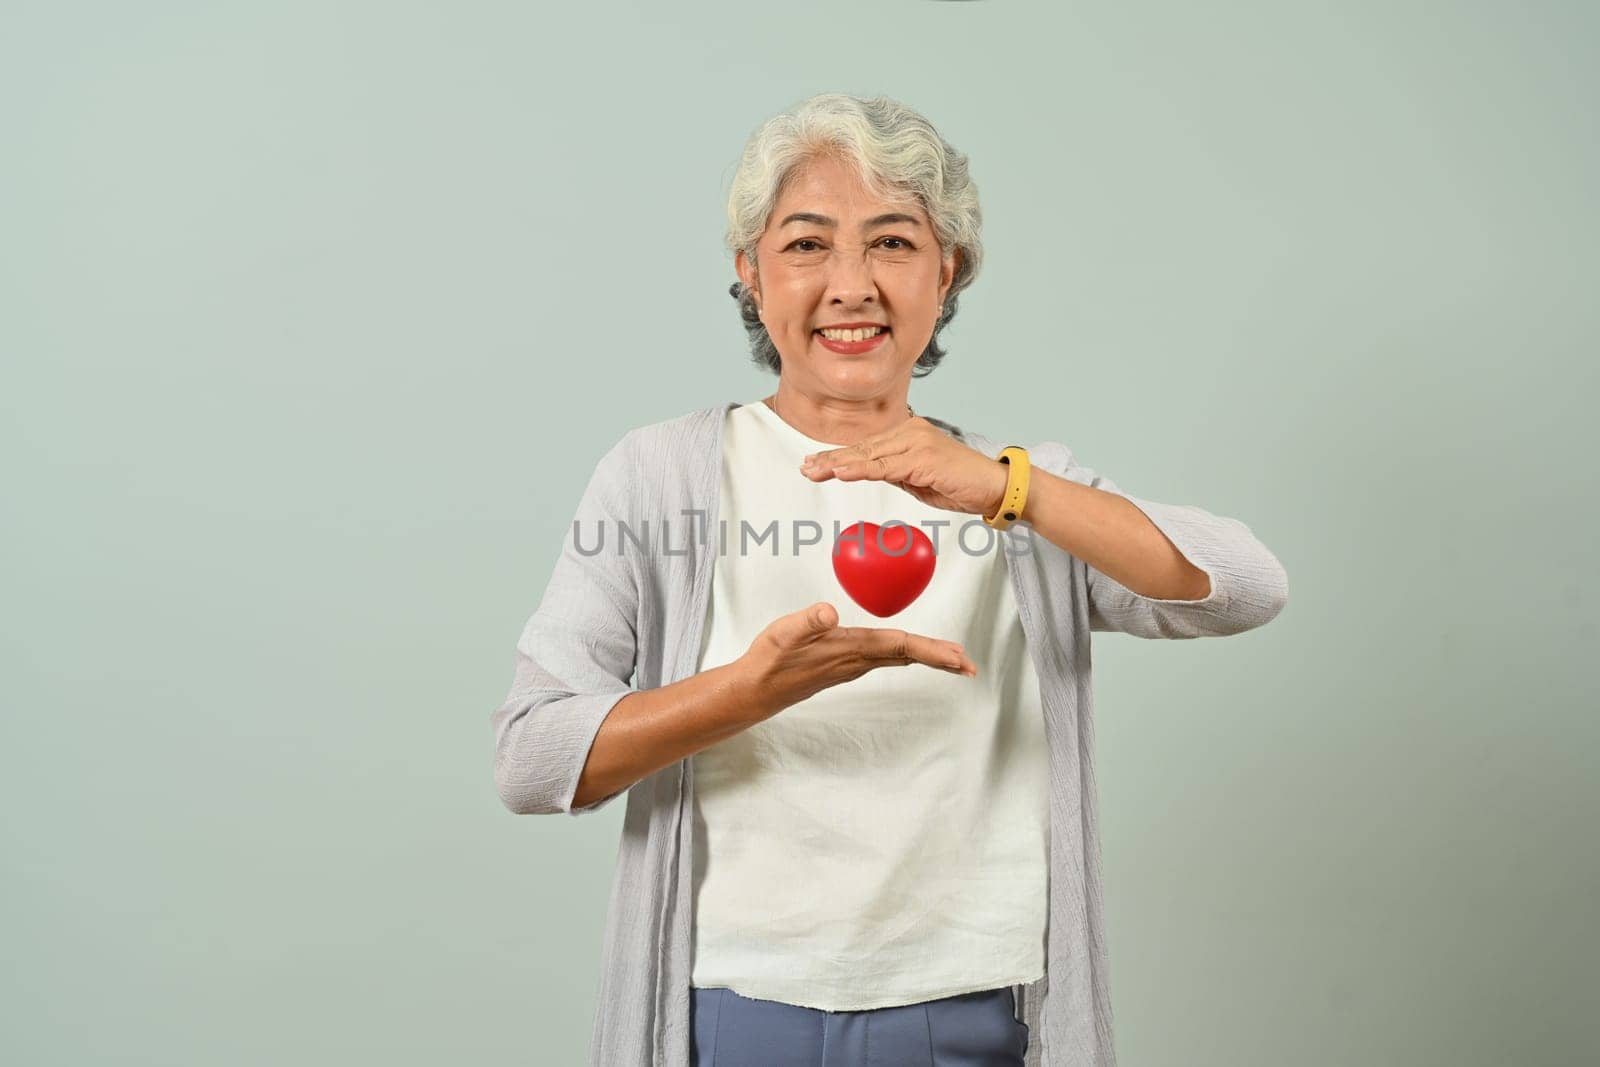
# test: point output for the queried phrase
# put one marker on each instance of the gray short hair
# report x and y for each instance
(895, 151)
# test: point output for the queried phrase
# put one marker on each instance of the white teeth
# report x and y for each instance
(852, 335)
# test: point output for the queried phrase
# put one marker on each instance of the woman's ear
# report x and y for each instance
(947, 273)
(747, 274)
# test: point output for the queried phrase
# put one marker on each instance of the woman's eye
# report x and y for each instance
(900, 245)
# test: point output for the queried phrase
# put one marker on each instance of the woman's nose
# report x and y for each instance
(850, 281)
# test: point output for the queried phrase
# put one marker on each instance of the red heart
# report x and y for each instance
(883, 571)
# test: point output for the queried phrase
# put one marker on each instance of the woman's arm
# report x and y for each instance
(1155, 570)
(573, 733)
(796, 656)
(1140, 571)
(1111, 534)
(654, 728)
(576, 655)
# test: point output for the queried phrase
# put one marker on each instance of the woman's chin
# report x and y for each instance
(856, 369)
(877, 363)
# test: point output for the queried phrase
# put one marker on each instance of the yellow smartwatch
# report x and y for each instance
(1016, 496)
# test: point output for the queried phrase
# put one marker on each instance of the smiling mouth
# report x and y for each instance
(847, 336)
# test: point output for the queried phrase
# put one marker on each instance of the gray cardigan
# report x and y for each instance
(613, 617)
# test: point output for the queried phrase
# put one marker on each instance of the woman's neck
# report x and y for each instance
(840, 425)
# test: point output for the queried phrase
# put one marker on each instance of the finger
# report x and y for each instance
(801, 626)
(948, 655)
(891, 443)
(891, 646)
(883, 643)
(821, 617)
(879, 468)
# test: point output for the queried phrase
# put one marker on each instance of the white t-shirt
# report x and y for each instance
(885, 841)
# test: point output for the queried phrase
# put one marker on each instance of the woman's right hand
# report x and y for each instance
(807, 651)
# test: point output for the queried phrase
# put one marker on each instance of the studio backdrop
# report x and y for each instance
(317, 318)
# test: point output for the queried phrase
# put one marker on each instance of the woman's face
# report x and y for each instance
(833, 254)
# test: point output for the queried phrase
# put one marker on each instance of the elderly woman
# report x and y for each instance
(821, 861)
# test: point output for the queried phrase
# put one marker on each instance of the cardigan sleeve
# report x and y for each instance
(1249, 586)
(576, 655)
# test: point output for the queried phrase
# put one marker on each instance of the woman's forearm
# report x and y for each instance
(1112, 535)
(655, 728)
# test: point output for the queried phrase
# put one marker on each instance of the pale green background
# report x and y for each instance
(316, 318)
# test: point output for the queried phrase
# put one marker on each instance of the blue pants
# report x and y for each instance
(967, 1030)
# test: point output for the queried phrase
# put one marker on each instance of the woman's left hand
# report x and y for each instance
(923, 460)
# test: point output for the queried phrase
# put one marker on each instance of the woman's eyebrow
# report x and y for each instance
(876, 220)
